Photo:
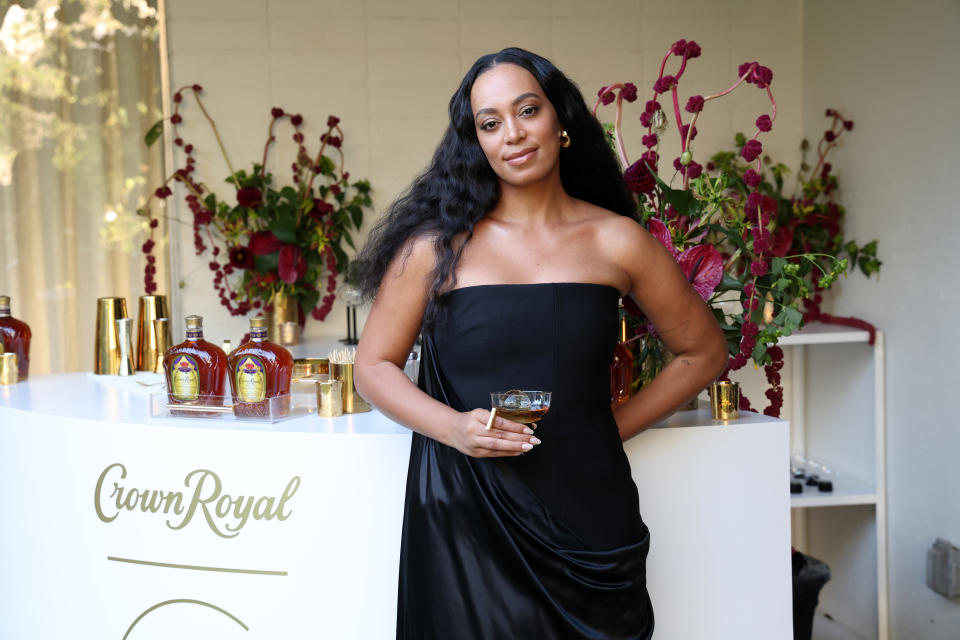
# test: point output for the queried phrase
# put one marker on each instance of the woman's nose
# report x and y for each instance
(514, 132)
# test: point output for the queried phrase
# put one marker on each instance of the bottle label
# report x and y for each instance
(194, 334)
(185, 379)
(259, 333)
(251, 379)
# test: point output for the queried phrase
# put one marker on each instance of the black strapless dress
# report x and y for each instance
(547, 545)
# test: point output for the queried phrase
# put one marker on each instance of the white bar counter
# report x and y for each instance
(114, 525)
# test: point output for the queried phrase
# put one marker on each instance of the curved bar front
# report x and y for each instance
(118, 525)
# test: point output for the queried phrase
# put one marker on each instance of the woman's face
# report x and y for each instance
(516, 125)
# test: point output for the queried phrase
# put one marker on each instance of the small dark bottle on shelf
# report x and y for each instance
(195, 370)
(260, 370)
(621, 369)
(15, 335)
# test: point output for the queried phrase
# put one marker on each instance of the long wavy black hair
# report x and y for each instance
(459, 187)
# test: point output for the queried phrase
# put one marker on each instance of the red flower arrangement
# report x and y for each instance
(752, 258)
(285, 239)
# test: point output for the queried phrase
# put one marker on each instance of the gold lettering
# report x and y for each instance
(197, 500)
(223, 506)
(96, 493)
(169, 499)
(241, 510)
(266, 512)
(291, 489)
(131, 502)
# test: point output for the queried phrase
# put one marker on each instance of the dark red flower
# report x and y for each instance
(335, 189)
(163, 192)
(178, 97)
(606, 96)
(711, 166)
(752, 206)
(742, 69)
(695, 104)
(764, 123)
(249, 197)
(148, 246)
(188, 149)
(683, 132)
(202, 217)
(652, 106)
(197, 87)
(276, 112)
(263, 243)
(692, 50)
(651, 159)
(759, 268)
(154, 223)
(646, 118)
(782, 241)
(660, 231)
(830, 112)
(703, 266)
(291, 265)
(296, 120)
(664, 84)
(764, 76)
(629, 92)
(176, 119)
(241, 258)
(752, 178)
(694, 169)
(830, 136)
(650, 140)
(346, 176)
(297, 137)
(749, 329)
(678, 47)
(333, 121)
(848, 125)
(751, 150)
(213, 265)
(639, 178)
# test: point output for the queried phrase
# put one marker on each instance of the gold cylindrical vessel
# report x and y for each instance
(725, 400)
(303, 367)
(106, 349)
(329, 398)
(125, 365)
(9, 368)
(353, 402)
(285, 309)
(151, 308)
(161, 329)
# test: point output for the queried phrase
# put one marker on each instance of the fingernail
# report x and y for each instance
(526, 446)
(527, 430)
(535, 440)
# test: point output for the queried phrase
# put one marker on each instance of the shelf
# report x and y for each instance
(819, 333)
(846, 491)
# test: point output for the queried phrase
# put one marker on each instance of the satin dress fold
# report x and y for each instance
(549, 545)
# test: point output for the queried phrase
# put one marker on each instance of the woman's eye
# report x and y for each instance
(529, 110)
(488, 125)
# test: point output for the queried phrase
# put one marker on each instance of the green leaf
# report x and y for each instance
(729, 283)
(346, 236)
(154, 133)
(308, 300)
(285, 228)
(357, 214)
(777, 265)
(267, 263)
(680, 199)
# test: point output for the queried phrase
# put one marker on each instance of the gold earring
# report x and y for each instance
(564, 139)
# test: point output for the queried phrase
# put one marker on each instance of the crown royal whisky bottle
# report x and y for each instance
(621, 369)
(15, 338)
(260, 370)
(195, 370)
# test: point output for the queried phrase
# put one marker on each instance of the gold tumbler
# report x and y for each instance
(285, 309)
(353, 402)
(106, 349)
(9, 368)
(161, 329)
(329, 398)
(125, 341)
(151, 308)
(725, 400)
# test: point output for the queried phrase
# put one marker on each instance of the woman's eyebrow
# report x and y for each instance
(520, 98)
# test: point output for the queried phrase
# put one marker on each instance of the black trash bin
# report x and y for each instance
(809, 576)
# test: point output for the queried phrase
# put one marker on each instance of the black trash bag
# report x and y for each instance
(809, 576)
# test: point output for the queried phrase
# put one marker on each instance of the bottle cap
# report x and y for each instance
(4, 301)
(260, 322)
(194, 322)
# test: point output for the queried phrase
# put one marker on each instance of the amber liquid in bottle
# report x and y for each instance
(260, 370)
(15, 335)
(621, 369)
(195, 370)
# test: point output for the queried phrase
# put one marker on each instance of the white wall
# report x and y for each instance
(388, 68)
(891, 67)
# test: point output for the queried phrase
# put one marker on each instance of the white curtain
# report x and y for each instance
(79, 88)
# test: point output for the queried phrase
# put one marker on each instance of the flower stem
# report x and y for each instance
(216, 134)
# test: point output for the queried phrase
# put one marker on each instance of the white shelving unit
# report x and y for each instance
(837, 418)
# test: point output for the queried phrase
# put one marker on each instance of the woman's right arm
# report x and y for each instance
(388, 335)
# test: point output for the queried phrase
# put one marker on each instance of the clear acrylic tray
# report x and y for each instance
(276, 409)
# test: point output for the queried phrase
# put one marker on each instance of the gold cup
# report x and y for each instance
(303, 367)
(9, 368)
(725, 400)
(329, 398)
(161, 330)
(353, 402)
(151, 308)
(285, 309)
(106, 349)
(125, 341)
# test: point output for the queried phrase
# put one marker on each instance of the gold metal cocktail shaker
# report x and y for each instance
(125, 342)
(151, 308)
(106, 352)
(161, 329)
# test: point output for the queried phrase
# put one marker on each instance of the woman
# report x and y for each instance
(510, 253)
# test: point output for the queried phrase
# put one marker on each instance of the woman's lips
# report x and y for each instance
(522, 159)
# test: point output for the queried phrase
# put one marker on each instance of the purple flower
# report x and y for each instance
(652, 105)
(606, 97)
(764, 76)
(695, 104)
(692, 50)
(683, 132)
(646, 119)
(751, 150)
(249, 197)
(678, 47)
(830, 136)
(830, 112)
(752, 207)
(742, 69)
(694, 169)
(651, 158)
(848, 125)
(676, 164)
(650, 140)
(176, 119)
(749, 329)
(629, 92)
(638, 178)
(752, 178)
(759, 268)
(296, 120)
(764, 123)
(761, 240)
(748, 289)
(664, 84)
(333, 121)
(276, 112)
